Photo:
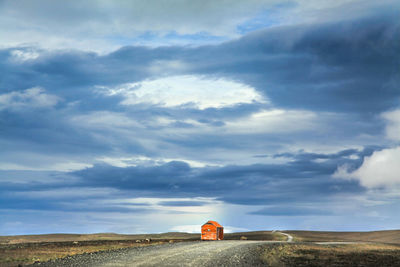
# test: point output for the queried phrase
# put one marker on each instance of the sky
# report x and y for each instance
(156, 116)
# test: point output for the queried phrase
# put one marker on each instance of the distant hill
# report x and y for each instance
(91, 237)
(389, 236)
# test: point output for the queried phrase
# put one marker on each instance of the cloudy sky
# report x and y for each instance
(155, 116)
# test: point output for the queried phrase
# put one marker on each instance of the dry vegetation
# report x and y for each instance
(390, 236)
(27, 253)
(303, 254)
(91, 237)
(257, 235)
(15, 250)
(22, 250)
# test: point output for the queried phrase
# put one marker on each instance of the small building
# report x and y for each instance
(212, 230)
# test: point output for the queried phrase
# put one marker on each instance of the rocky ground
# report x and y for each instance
(332, 254)
(221, 253)
(289, 248)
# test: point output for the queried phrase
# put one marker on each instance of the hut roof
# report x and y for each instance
(214, 223)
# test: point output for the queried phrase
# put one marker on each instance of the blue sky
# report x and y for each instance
(155, 116)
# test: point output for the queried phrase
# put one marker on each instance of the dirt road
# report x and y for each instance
(199, 253)
(289, 237)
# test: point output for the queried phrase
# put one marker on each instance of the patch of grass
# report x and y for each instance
(302, 254)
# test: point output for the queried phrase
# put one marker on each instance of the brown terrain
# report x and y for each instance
(321, 255)
(389, 236)
(27, 249)
(308, 248)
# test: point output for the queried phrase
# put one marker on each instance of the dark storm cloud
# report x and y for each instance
(287, 189)
(346, 66)
(65, 204)
(350, 68)
(342, 66)
(336, 158)
(259, 184)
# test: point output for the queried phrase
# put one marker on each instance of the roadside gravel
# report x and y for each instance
(198, 253)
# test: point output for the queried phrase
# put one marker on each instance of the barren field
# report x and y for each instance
(195, 253)
(390, 236)
(91, 237)
(339, 255)
(27, 249)
(308, 248)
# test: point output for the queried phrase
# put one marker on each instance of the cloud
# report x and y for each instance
(289, 105)
(21, 55)
(273, 121)
(292, 211)
(393, 124)
(61, 165)
(115, 196)
(147, 161)
(182, 203)
(30, 98)
(289, 67)
(322, 62)
(104, 26)
(336, 73)
(200, 92)
(381, 169)
(104, 119)
(253, 184)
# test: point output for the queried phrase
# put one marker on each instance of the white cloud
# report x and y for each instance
(106, 25)
(382, 168)
(21, 55)
(393, 124)
(274, 121)
(55, 24)
(198, 91)
(31, 160)
(30, 98)
(147, 161)
(60, 166)
(207, 205)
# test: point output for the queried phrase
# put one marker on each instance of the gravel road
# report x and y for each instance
(198, 253)
(289, 237)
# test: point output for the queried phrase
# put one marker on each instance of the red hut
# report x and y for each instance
(212, 230)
